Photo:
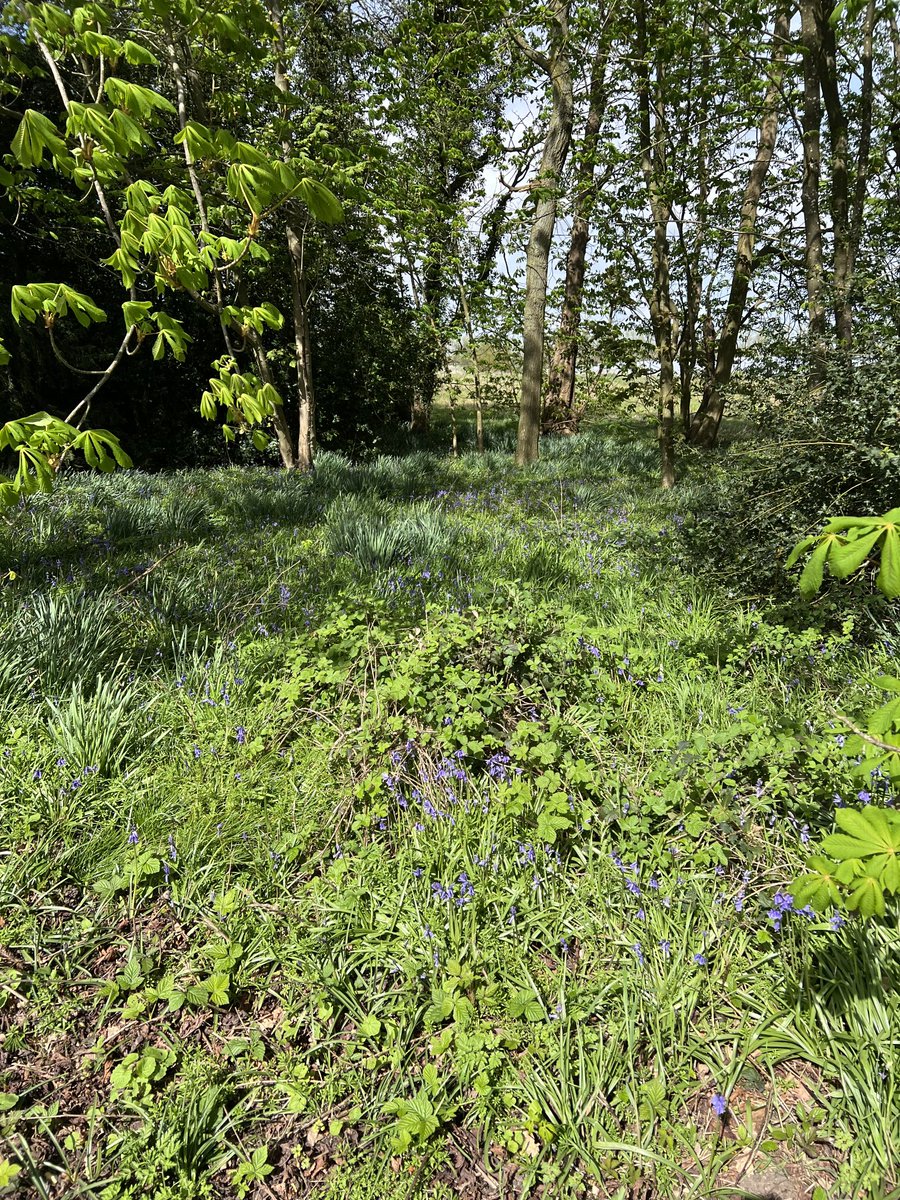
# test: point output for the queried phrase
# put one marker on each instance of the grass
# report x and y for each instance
(422, 828)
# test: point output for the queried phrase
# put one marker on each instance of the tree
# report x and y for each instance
(705, 424)
(560, 412)
(183, 215)
(545, 188)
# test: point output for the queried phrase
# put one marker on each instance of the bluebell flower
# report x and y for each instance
(133, 836)
(719, 1105)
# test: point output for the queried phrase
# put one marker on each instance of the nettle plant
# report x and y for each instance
(860, 867)
(193, 229)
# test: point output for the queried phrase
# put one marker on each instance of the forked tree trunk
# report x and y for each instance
(708, 418)
(559, 410)
(537, 256)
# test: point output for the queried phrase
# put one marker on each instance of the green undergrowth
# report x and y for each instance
(418, 828)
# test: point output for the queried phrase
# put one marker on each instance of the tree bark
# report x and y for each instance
(306, 396)
(708, 418)
(865, 137)
(476, 368)
(838, 136)
(812, 170)
(559, 410)
(279, 417)
(537, 256)
(653, 147)
(304, 454)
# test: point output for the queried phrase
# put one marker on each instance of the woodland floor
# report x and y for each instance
(423, 828)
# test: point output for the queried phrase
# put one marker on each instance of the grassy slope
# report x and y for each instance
(422, 832)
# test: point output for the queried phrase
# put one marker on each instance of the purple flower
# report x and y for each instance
(700, 960)
(241, 735)
(638, 953)
(719, 1105)
(133, 836)
(666, 946)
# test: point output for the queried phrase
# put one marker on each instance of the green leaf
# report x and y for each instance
(800, 549)
(321, 202)
(813, 572)
(870, 826)
(888, 580)
(370, 1026)
(35, 135)
(138, 55)
(849, 557)
(867, 898)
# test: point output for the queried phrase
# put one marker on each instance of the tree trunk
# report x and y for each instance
(812, 169)
(559, 410)
(653, 146)
(838, 137)
(693, 343)
(708, 418)
(476, 368)
(303, 456)
(537, 256)
(279, 417)
(865, 137)
(306, 397)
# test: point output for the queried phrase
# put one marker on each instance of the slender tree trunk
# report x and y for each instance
(306, 397)
(692, 349)
(838, 136)
(476, 368)
(537, 256)
(306, 415)
(708, 418)
(559, 410)
(894, 27)
(432, 362)
(653, 166)
(279, 417)
(865, 137)
(812, 170)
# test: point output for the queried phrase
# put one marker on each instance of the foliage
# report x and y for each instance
(412, 854)
(845, 545)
